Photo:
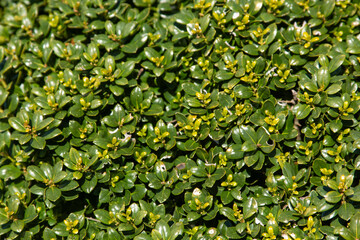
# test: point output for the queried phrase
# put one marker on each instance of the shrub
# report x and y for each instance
(146, 119)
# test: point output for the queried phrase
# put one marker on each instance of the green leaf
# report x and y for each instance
(154, 110)
(302, 111)
(9, 172)
(250, 207)
(103, 216)
(176, 230)
(43, 124)
(48, 234)
(346, 211)
(53, 193)
(355, 225)
(163, 228)
(225, 100)
(323, 78)
(248, 134)
(36, 173)
(38, 142)
(222, 75)
(336, 62)
(17, 124)
(191, 145)
(192, 216)
(353, 44)
(17, 225)
(136, 97)
(248, 146)
(333, 197)
(243, 91)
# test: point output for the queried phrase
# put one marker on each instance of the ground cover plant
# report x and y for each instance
(204, 119)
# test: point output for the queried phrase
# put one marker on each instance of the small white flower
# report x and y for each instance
(196, 192)
(211, 231)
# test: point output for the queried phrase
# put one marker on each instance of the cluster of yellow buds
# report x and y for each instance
(53, 20)
(345, 109)
(342, 186)
(127, 215)
(271, 120)
(338, 35)
(139, 156)
(8, 212)
(251, 78)
(197, 29)
(293, 188)
(202, 4)
(305, 4)
(269, 234)
(229, 183)
(221, 50)
(92, 82)
(337, 155)
(49, 90)
(222, 160)
(192, 231)
(354, 96)
(220, 17)
(153, 218)
(259, 32)
(283, 73)
(70, 226)
(237, 212)
(83, 132)
(142, 132)
(274, 5)
(153, 38)
(194, 125)
(250, 65)
(307, 148)
(231, 65)
(85, 105)
(21, 196)
(204, 64)
(160, 136)
(114, 180)
(28, 128)
(225, 113)
(315, 127)
(201, 206)
(326, 172)
(341, 135)
(241, 25)
(207, 118)
(157, 60)
(308, 39)
(203, 97)
(103, 155)
(241, 109)
(79, 163)
(187, 175)
(310, 223)
(68, 83)
(282, 158)
(52, 102)
(114, 143)
(185, 61)
(309, 100)
(342, 3)
(300, 208)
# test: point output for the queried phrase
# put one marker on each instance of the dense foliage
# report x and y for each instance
(205, 119)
